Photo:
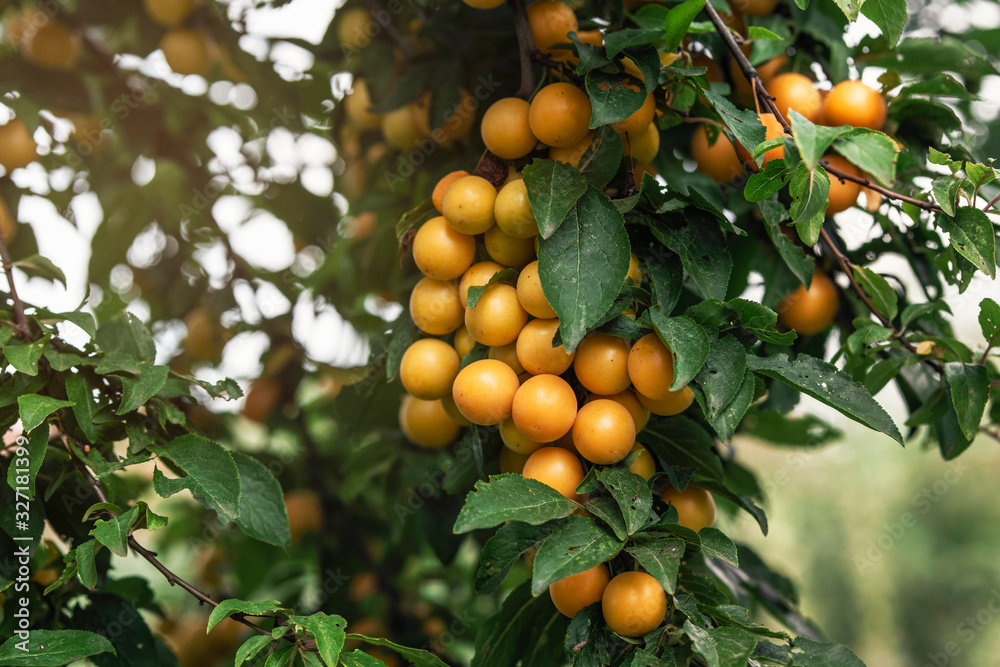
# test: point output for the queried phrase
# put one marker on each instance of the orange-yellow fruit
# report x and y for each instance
(603, 432)
(644, 144)
(428, 368)
(573, 154)
(530, 294)
(766, 71)
(483, 4)
(17, 148)
(601, 364)
(498, 317)
(508, 250)
(437, 197)
(261, 399)
(478, 275)
(640, 120)
(516, 441)
(795, 91)
(484, 391)
(535, 351)
(634, 272)
(169, 13)
(843, 194)
(544, 408)
(754, 7)
(401, 129)
(468, 205)
(507, 354)
(186, 51)
(513, 212)
(673, 403)
(355, 28)
(357, 104)
(577, 591)
(813, 310)
(718, 161)
(550, 22)
(205, 336)
(8, 225)
(634, 604)
(425, 423)
(651, 367)
(853, 103)
(460, 120)
(559, 115)
(557, 468)
(435, 308)
(441, 252)
(695, 506)
(506, 130)
(511, 461)
(52, 45)
(464, 342)
(644, 466)
(305, 513)
(640, 415)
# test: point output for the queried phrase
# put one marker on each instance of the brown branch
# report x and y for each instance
(751, 75)
(525, 48)
(992, 202)
(995, 383)
(986, 354)
(21, 325)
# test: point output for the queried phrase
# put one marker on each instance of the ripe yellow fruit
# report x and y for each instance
(644, 466)
(601, 364)
(754, 7)
(484, 391)
(305, 513)
(640, 415)
(355, 28)
(261, 399)
(437, 197)
(468, 205)
(550, 22)
(186, 51)
(843, 194)
(53, 46)
(695, 506)
(8, 225)
(511, 461)
(425, 423)
(506, 130)
(535, 351)
(464, 342)
(559, 115)
(513, 212)
(205, 336)
(478, 275)
(634, 273)
(507, 354)
(516, 441)
(17, 148)
(651, 367)
(573, 154)
(508, 250)
(401, 128)
(854, 103)
(435, 308)
(428, 368)
(634, 604)
(458, 123)
(673, 403)
(440, 252)
(640, 120)
(812, 310)
(603, 432)
(544, 408)
(795, 91)
(498, 317)
(719, 161)
(557, 468)
(169, 13)
(448, 403)
(644, 144)
(357, 104)
(530, 294)
(575, 592)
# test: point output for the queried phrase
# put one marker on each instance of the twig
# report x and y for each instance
(21, 325)
(995, 383)
(525, 48)
(992, 202)
(390, 29)
(751, 75)
(986, 355)
(688, 118)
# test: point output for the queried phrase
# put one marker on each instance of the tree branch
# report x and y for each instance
(390, 29)
(992, 202)
(21, 325)
(525, 48)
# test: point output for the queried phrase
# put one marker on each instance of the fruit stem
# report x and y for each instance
(525, 48)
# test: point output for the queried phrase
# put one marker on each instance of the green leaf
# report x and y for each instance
(611, 100)
(659, 556)
(24, 357)
(577, 544)
(970, 389)
(889, 16)
(883, 297)
(795, 258)
(810, 191)
(357, 658)
(945, 190)
(702, 250)
(86, 566)
(678, 20)
(211, 472)
(734, 646)
(37, 266)
(722, 374)
(228, 608)
(584, 264)
(127, 344)
(511, 498)
(53, 648)
(703, 644)
(24, 466)
(759, 32)
(507, 275)
(779, 429)
(688, 344)
(824, 382)
(716, 544)
(591, 57)
(871, 151)
(761, 321)
(34, 409)
(608, 511)
(812, 140)
(631, 493)
(601, 160)
(416, 657)
(728, 420)
(251, 647)
(78, 391)
(810, 653)
(501, 551)
(504, 639)
(80, 318)
(328, 631)
(681, 442)
(553, 189)
(915, 311)
(767, 181)
(973, 237)
(619, 40)
(850, 8)
(136, 391)
(113, 533)
(263, 515)
(743, 123)
(989, 321)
